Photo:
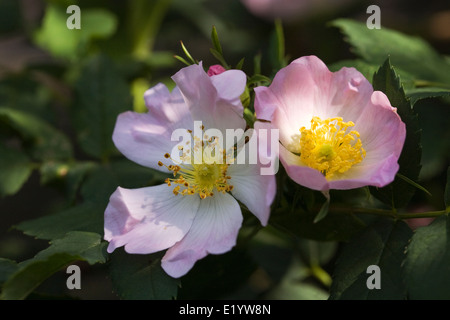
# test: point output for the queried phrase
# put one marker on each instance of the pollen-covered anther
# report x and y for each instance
(329, 148)
(202, 176)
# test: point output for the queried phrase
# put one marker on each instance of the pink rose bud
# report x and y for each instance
(215, 70)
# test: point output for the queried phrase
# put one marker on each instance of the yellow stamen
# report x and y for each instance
(329, 148)
(195, 177)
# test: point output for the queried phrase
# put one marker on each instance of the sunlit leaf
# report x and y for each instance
(405, 52)
(71, 43)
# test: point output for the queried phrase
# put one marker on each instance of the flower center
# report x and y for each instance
(202, 177)
(329, 147)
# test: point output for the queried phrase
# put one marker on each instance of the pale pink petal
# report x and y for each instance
(268, 107)
(229, 85)
(385, 133)
(347, 95)
(268, 147)
(167, 107)
(142, 139)
(149, 219)
(214, 231)
(204, 102)
(374, 174)
(254, 190)
(266, 103)
(383, 141)
(300, 173)
(145, 137)
(301, 88)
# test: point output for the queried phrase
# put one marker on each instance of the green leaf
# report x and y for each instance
(416, 94)
(15, 170)
(63, 42)
(143, 22)
(103, 181)
(280, 46)
(187, 53)
(406, 52)
(88, 245)
(216, 276)
(74, 246)
(67, 175)
(99, 185)
(317, 252)
(182, 60)
(140, 277)
(294, 286)
(85, 217)
(271, 254)
(399, 192)
(240, 64)
(324, 209)
(219, 57)
(335, 226)
(415, 184)
(7, 268)
(427, 263)
(258, 79)
(435, 137)
(131, 175)
(215, 40)
(29, 277)
(102, 94)
(40, 139)
(382, 244)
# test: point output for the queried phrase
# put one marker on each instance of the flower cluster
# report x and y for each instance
(334, 132)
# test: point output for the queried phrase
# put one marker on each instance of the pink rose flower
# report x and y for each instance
(196, 211)
(335, 131)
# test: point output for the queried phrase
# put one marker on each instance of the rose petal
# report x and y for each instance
(148, 219)
(142, 139)
(383, 147)
(167, 107)
(204, 103)
(301, 174)
(214, 230)
(229, 85)
(254, 190)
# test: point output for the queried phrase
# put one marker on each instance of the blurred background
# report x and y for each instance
(40, 59)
